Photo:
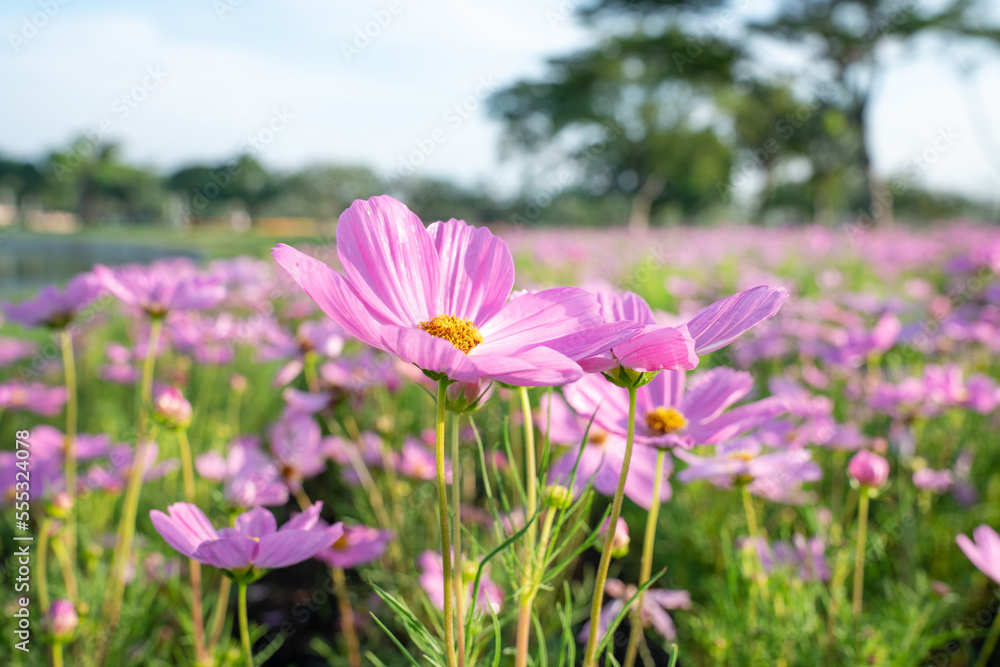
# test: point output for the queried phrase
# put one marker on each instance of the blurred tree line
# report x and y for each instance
(676, 113)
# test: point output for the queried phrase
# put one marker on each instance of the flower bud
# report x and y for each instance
(62, 620)
(238, 383)
(467, 396)
(620, 541)
(171, 409)
(557, 496)
(868, 469)
(60, 505)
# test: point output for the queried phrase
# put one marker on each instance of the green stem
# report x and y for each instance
(57, 654)
(646, 567)
(442, 489)
(219, 613)
(536, 567)
(346, 617)
(859, 553)
(754, 530)
(69, 370)
(187, 464)
(42, 574)
(66, 565)
(531, 506)
(456, 501)
(991, 642)
(244, 625)
(123, 549)
(589, 656)
(309, 371)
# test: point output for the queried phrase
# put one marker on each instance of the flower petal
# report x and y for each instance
(258, 522)
(305, 520)
(287, 547)
(539, 317)
(656, 348)
(234, 552)
(477, 271)
(390, 260)
(715, 391)
(535, 367)
(429, 353)
(722, 322)
(331, 292)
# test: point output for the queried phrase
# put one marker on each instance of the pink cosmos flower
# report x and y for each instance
(32, 397)
(984, 552)
(253, 545)
(12, 349)
(113, 475)
(416, 461)
(297, 444)
(431, 580)
(935, 481)
(777, 476)
(357, 546)
(656, 603)
(437, 297)
(163, 286)
(53, 307)
(323, 338)
(251, 477)
(668, 415)
(869, 469)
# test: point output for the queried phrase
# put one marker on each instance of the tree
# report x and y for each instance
(633, 110)
(845, 38)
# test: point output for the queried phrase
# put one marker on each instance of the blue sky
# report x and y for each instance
(201, 76)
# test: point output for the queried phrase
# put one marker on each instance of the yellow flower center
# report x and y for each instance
(255, 539)
(741, 456)
(598, 437)
(341, 543)
(463, 334)
(666, 420)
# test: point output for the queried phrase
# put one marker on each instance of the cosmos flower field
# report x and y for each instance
(452, 445)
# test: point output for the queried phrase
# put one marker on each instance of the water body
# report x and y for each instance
(28, 262)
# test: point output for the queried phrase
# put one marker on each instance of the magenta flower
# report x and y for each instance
(61, 620)
(13, 349)
(113, 475)
(431, 566)
(656, 603)
(357, 546)
(805, 557)
(437, 297)
(250, 476)
(32, 397)
(322, 338)
(53, 307)
(669, 415)
(170, 408)
(416, 461)
(163, 286)
(252, 546)
(935, 481)
(297, 444)
(868, 469)
(777, 476)
(984, 552)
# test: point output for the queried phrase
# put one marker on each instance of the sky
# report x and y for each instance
(397, 85)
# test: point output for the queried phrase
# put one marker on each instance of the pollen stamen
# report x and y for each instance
(665, 420)
(463, 334)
